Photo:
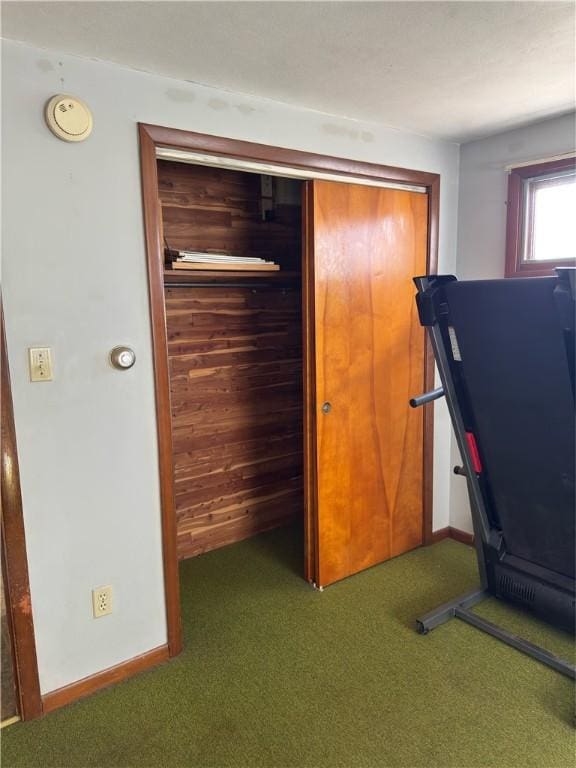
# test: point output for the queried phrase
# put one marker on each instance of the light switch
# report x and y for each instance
(40, 363)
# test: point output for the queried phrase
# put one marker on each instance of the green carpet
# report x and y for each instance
(275, 674)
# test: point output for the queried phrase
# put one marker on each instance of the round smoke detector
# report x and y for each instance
(69, 118)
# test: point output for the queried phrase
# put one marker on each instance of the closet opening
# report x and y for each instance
(282, 391)
(234, 353)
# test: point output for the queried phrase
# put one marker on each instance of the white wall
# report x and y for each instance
(482, 223)
(75, 279)
(483, 190)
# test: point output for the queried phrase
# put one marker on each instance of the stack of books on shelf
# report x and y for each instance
(217, 261)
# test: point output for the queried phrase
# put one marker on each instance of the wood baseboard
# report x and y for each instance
(96, 682)
(462, 536)
(452, 533)
(440, 535)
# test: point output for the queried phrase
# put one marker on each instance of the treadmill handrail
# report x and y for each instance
(427, 397)
(480, 519)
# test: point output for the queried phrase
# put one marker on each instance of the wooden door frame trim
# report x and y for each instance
(152, 136)
(15, 560)
(152, 219)
(174, 138)
(309, 379)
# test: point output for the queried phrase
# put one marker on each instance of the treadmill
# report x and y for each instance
(505, 354)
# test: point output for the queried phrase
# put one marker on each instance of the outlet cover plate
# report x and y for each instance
(101, 601)
(40, 359)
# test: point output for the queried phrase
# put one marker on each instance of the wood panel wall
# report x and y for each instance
(207, 208)
(235, 358)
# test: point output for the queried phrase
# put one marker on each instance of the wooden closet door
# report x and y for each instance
(365, 245)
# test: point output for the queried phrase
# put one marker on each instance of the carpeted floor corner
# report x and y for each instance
(274, 674)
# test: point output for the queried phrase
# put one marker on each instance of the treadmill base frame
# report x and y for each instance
(458, 609)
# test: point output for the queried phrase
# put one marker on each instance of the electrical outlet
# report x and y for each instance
(40, 360)
(101, 601)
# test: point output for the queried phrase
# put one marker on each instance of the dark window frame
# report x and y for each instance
(516, 217)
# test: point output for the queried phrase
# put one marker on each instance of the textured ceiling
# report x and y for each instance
(456, 70)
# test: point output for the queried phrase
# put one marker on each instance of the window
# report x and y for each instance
(541, 219)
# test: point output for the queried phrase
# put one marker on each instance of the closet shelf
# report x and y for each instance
(180, 277)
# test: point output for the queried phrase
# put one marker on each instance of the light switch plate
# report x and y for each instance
(40, 363)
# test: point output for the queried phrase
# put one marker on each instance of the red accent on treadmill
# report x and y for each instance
(473, 450)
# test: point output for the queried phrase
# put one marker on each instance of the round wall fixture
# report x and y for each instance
(122, 358)
(69, 118)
